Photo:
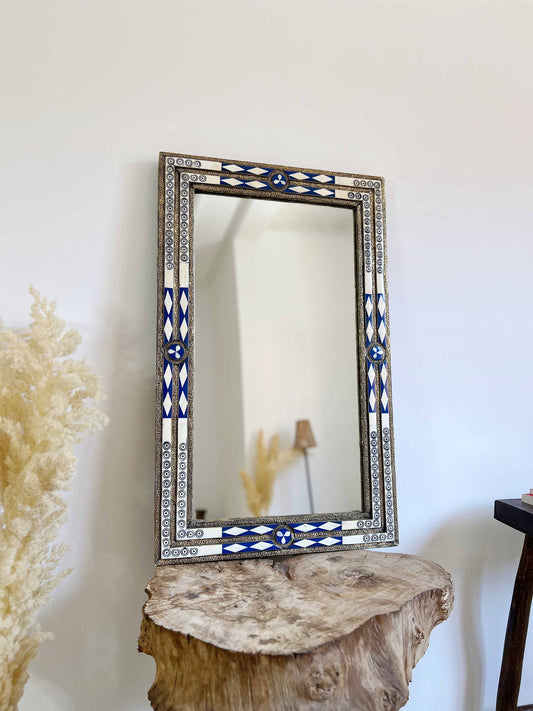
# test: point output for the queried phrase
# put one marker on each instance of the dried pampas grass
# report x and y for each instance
(45, 409)
(269, 462)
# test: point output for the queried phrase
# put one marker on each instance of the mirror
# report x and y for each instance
(274, 428)
(274, 350)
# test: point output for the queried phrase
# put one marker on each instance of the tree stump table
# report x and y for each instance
(339, 631)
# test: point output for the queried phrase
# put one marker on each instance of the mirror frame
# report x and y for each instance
(178, 537)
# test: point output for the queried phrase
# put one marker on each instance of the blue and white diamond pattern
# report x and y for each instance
(261, 529)
(182, 401)
(255, 184)
(318, 526)
(308, 542)
(246, 546)
(369, 328)
(329, 541)
(234, 531)
(371, 387)
(231, 181)
(261, 545)
(383, 373)
(269, 545)
(183, 385)
(278, 180)
(247, 531)
(319, 177)
(166, 395)
(184, 315)
(299, 176)
(255, 170)
(304, 543)
(168, 304)
(301, 189)
(382, 327)
(384, 400)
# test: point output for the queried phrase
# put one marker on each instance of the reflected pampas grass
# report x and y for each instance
(46, 407)
(269, 462)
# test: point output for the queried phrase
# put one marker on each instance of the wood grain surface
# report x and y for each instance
(332, 631)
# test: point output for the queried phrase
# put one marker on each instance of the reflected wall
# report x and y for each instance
(276, 342)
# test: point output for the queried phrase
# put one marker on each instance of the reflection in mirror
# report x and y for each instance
(275, 344)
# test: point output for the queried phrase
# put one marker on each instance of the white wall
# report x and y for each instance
(435, 96)
(208, 490)
(220, 401)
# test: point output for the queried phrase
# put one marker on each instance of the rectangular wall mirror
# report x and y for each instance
(274, 423)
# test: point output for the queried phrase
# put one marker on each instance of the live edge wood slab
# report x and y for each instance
(339, 631)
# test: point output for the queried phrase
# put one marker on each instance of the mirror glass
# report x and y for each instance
(275, 344)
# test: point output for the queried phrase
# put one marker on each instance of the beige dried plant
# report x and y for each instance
(45, 409)
(268, 463)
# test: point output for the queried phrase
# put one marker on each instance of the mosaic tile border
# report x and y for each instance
(178, 539)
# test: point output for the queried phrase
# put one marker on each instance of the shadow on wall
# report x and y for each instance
(94, 659)
(482, 553)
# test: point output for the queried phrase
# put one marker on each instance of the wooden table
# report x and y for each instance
(519, 516)
(329, 632)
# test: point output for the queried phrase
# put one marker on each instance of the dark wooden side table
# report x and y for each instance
(519, 516)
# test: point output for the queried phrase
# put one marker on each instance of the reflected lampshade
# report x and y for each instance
(304, 437)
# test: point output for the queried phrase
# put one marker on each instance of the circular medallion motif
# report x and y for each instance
(278, 180)
(176, 352)
(376, 353)
(283, 536)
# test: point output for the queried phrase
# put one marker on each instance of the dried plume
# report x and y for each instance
(45, 409)
(269, 462)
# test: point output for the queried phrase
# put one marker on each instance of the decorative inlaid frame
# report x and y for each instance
(181, 539)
